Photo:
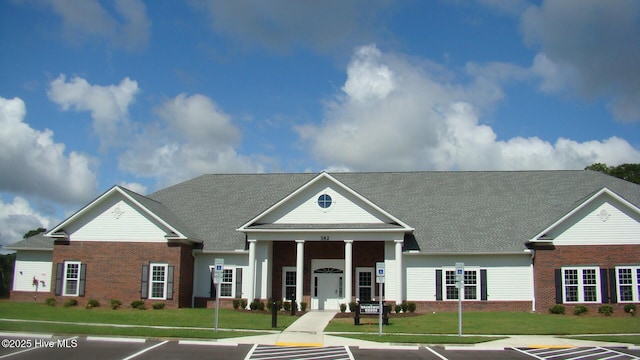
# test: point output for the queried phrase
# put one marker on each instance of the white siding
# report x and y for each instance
(604, 221)
(30, 264)
(202, 275)
(303, 208)
(509, 277)
(116, 219)
(389, 271)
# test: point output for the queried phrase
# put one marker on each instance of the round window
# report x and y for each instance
(324, 201)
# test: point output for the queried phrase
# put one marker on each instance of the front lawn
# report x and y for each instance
(185, 318)
(494, 323)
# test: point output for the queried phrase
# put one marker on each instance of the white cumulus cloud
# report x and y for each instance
(33, 163)
(195, 137)
(108, 105)
(18, 217)
(428, 121)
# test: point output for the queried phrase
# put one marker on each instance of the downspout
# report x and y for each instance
(533, 281)
(195, 272)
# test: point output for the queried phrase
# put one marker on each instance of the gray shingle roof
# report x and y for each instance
(35, 242)
(450, 211)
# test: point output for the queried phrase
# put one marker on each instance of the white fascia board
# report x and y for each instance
(27, 249)
(79, 213)
(324, 175)
(602, 191)
(423, 253)
(321, 230)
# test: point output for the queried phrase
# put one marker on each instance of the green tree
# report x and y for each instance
(629, 172)
(31, 233)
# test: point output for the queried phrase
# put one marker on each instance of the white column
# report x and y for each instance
(348, 270)
(399, 280)
(299, 270)
(252, 272)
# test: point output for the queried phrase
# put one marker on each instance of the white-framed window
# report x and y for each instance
(71, 278)
(471, 284)
(628, 283)
(581, 284)
(227, 288)
(158, 281)
(365, 284)
(288, 283)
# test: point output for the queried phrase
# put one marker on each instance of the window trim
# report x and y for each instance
(635, 283)
(65, 278)
(581, 285)
(371, 271)
(285, 270)
(164, 281)
(477, 285)
(232, 283)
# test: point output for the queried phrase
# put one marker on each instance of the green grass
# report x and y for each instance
(628, 339)
(491, 323)
(200, 318)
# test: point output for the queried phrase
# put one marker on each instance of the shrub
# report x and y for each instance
(580, 309)
(92, 303)
(138, 304)
(257, 305)
(606, 310)
(343, 308)
(70, 302)
(270, 305)
(236, 304)
(115, 303)
(352, 306)
(404, 307)
(398, 308)
(243, 303)
(286, 305)
(557, 309)
(158, 306)
(50, 301)
(303, 306)
(631, 309)
(411, 306)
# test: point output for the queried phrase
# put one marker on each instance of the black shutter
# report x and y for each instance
(438, 284)
(170, 283)
(59, 276)
(613, 286)
(83, 279)
(604, 285)
(144, 282)
(483, 284)
(212, 290)
(238, 283)
(558, 279)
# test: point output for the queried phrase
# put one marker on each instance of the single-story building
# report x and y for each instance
(528, 240)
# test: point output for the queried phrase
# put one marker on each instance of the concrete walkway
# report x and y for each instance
(308, 330)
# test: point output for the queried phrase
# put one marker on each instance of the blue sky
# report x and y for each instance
(147, 94)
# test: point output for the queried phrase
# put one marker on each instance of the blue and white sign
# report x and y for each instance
(380, 272)
(218, 270)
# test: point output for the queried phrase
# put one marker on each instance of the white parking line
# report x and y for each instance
(115, 339)
(436, 353)
(145, 350)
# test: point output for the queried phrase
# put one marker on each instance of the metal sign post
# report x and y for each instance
(218, 271)
(460, 286)
(380, 281)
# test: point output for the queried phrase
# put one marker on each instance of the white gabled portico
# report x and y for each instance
(325, 240)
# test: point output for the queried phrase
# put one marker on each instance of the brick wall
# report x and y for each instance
(114, 269)
(547, 260)
(452, 306)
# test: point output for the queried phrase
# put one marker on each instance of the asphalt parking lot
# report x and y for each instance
(24, 346)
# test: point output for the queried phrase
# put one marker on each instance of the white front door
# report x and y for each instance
(329, 291)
